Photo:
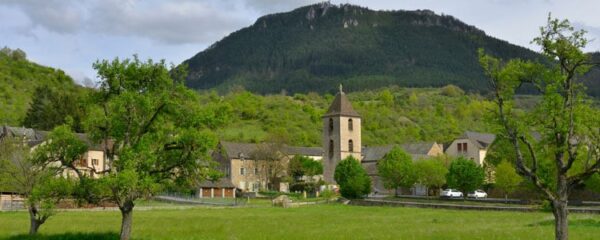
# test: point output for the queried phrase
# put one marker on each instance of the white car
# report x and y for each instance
(477, 194)
(451, 193)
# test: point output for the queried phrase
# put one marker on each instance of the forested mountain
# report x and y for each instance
(19, 79)
(592, 78)
(316, 47)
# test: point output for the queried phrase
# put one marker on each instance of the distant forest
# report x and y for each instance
(317, 47)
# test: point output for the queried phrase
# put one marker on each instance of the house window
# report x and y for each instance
(330, 125)
(83, 162)
(255, 171)
(461, 147)
(330, 148)
(242, 171)
(255, 186)
(350, 127)
(94, 162)
(350, 145)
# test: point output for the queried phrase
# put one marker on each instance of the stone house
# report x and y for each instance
(418, 151)
(245, 166)
(471, 145)
(91, 163)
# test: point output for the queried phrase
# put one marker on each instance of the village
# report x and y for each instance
(245, 119)
(244, 172)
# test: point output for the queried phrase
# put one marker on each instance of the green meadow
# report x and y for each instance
(332, 221)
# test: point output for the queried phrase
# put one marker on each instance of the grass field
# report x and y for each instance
(308, 222)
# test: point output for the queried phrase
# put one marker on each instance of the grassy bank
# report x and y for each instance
(308, 222)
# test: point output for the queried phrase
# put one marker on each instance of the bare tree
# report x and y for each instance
(36, 181)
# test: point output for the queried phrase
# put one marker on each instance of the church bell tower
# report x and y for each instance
(341, 134)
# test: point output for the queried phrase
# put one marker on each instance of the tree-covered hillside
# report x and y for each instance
(19, 79)
(390, 115)
(314, 48)
(592, 78)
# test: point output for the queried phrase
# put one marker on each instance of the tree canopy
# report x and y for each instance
(464, 175)
(566, 152)
(396, 170)
(352, 178)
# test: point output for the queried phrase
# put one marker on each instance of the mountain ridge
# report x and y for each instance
(316, 47)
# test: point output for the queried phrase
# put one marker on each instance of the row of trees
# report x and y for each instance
(398, 170)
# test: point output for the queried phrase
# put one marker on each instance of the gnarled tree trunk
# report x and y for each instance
(126, 219)
(34, 221)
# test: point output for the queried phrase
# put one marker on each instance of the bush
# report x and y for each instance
(304, 186)
(465, 175)
(274, 194)
(352, 178)
(452, 91)
(546, 206)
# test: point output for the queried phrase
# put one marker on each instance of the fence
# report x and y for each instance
(194, 199)
(11, 202)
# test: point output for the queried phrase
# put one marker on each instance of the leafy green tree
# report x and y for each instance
(565, 119)
(465, 175)
(301, 166)
(352, 178)
(431, 173)
(152, 131)
(52, 107)
(37, 181)
(593, 183)
(507, 178)
(396, 169)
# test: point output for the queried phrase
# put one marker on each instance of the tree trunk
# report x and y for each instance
(126, 219)
(34, 223)
(561, 222)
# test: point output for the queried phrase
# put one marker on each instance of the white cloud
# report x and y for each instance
(71, 34)
(167, 22)
(54, 15)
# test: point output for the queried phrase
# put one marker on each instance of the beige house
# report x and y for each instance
(243, 167)
(471, 145)
(91, 163)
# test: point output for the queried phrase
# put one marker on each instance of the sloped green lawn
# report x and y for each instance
(307, 222)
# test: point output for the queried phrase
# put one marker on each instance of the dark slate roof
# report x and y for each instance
(341, 106)
(482, 139)
(35, 137)
(221, 183)
(306, 151)
(370, 167)
(416, 150)
(29, 133)
(234, 149)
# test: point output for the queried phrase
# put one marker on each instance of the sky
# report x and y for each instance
(72, 35)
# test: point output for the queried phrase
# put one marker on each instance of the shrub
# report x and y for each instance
(464, 175)
(352, 178)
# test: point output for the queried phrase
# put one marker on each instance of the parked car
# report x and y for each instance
(451, 193)
(477, 194)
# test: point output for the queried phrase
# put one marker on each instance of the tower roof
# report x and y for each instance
(341, 106)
